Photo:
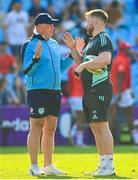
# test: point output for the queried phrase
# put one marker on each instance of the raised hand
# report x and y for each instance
(38, 50)
(69, 41)
(80, 44)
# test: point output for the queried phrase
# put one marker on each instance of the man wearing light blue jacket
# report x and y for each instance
(42, 64)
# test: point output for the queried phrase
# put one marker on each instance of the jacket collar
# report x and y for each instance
(38, 36)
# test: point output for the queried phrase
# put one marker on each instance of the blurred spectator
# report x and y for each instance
(135, 49)
(115, 13)
(2, 15)
(122, 98)
(60, 5)
(75, 13)
(11, 96)
(7, 61)
(75, 100)
(16, 26)
(19, 93)
(35, 9)
(82, 5)
(105, 2)
(67, 23)
(95, 4)
(5, 96)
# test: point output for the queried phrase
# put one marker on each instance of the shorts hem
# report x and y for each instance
(96, 121)
(38, 117)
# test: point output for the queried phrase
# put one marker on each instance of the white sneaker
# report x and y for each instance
(35, 170)
(51, 169)
(90, 173)
(104, 171)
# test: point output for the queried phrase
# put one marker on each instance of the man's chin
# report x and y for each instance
(50, 35)
(89, 34)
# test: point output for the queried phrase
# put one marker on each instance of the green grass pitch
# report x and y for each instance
(14, 162)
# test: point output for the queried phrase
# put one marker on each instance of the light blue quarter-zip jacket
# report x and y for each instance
(46, 72)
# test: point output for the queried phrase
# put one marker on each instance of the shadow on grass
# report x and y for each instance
(69, 149)
(111, 177)
(60, 177)
(84, 177)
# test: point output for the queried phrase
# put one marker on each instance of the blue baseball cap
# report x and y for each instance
(44, 18)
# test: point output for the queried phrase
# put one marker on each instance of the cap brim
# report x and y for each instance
(54, 20)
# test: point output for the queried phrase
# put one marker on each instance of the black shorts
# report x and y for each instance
(96, 103)
(43, 103)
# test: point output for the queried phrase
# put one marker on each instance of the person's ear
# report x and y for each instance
(40, 27)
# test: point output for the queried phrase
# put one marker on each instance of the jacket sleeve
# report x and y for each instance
(66, 63)
(29, 64)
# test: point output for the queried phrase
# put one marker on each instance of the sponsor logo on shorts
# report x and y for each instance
(41, 110)
(101, 98)
(94, 115)
(31, 110)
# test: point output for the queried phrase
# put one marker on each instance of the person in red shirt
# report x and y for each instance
(121, 79)
(75, 91)
(7, 61)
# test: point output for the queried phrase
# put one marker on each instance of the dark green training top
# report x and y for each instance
(100, 43)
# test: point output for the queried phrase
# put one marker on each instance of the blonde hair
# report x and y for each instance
(98, 13)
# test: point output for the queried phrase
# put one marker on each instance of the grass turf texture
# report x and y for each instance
(14, 162)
